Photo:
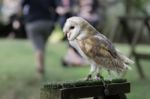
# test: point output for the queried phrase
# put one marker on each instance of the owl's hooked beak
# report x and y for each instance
(67, 34)
(71, 36)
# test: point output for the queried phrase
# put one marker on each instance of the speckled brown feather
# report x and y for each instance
(101, 51)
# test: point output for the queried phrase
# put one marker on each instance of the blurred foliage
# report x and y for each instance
(140, 5)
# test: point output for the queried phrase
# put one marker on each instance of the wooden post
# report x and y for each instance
(84, 89)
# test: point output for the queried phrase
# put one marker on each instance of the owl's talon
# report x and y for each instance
(89, 77)
(99, 77)
(102, 79)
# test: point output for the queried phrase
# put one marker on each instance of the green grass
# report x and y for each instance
(17, 70)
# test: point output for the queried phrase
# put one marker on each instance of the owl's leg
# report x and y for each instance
(110, 75)
(93, 69)
(98, 74)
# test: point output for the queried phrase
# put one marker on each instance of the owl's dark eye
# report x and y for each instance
(72, 27)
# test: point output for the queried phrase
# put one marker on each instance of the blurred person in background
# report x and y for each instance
(11, 22)
(40, 16)
(9, 8)
(89, 10)
(65, 11)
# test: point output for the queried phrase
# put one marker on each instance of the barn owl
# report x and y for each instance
(95, 48)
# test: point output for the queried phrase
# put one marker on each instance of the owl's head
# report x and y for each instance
(76, 28)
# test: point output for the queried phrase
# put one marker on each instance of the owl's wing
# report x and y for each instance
(98, 46)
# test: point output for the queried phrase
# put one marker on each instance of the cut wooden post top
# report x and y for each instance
(80, 83)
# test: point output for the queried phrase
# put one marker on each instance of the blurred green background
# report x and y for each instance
(17, 61)
(17, 70)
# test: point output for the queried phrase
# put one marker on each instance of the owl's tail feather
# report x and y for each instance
(125, 60)
(127, 67)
